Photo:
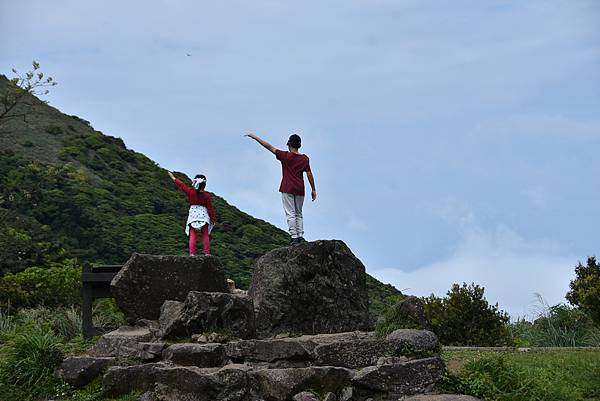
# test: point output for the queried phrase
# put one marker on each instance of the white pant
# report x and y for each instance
(292, 204)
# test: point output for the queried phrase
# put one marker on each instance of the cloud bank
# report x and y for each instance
(511, 269)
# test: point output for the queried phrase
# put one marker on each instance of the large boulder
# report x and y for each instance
(310, 288)
(146, 281)
(231, 314)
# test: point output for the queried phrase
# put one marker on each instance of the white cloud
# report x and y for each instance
(511, 269)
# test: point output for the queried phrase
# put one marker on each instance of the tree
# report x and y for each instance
(31, 83)
(585, 289)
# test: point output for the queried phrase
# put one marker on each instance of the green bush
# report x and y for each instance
(54, 130)
(585, 289)
(464, 317)
(57, 285)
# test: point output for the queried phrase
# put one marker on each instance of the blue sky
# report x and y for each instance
(451, 141)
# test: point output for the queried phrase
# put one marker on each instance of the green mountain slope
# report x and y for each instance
(67, 190)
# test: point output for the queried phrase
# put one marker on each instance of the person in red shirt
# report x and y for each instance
(202, 216)
(293, 165)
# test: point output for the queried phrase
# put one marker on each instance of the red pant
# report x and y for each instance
(205, 239)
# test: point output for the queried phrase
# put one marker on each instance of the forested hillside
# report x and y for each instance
(69, 191)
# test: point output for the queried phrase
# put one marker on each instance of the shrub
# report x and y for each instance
(54, 130)
(464, 317)
(585, 289)
(57, 285)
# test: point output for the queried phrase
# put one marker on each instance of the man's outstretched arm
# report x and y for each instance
(311, 181)
(264, 143)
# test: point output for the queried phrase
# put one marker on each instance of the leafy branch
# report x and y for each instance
(33, 83)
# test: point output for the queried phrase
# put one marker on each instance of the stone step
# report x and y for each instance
(240, 382)
(348, 350)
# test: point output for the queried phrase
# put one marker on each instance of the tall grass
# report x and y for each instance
(27, 365)
(34, 341)
(532, 376)
(555, 326)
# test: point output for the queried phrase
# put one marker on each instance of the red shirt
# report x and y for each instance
(292, 166)
(201, 198)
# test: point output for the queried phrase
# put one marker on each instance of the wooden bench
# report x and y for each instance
(95, 283)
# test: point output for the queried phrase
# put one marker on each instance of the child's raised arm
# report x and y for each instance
(179, 184)
(264, 143)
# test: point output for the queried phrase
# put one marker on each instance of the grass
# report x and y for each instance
(532, 376)
(556, 326)
(34, 341)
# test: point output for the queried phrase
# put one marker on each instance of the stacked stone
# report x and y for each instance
(301, 333)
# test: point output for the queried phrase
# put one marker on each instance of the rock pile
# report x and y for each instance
(298, 335)
(358, 364)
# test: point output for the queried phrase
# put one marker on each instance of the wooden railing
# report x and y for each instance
(95, 283)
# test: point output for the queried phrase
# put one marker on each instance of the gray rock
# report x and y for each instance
(390, 360)
(218, 338)
(305, 396)
(206, 311)
(313, 287)
(170, 311)
(200, 338)
(128, 342)
(148, 396)
(201, 355)
(230, 383)
(347, 394)
(270, 350)
(360, 349)
(80, 371)
(422, 340)
(350, 350)
(413, 377)
(440, 397)
(282, 384)
(409, 313)
(330, 397)
(146, 281)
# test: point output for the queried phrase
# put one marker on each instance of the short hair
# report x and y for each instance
(295, 141)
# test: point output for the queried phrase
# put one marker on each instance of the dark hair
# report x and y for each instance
(295, 141)
(203, 185)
